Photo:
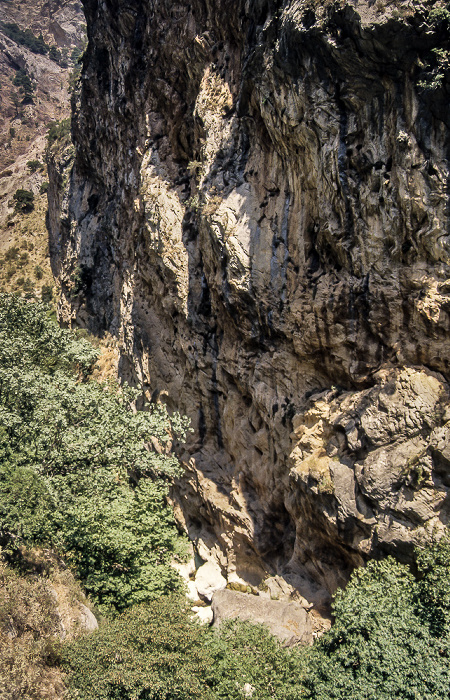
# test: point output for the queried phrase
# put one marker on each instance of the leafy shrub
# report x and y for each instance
(24, 201)
(28, 285)
(156, 652)
(379, 647)
(47, 293)
(76, 470)
(76, 54)
(57, 131)
(38, 272)
(436, 65)
(43, 188)
(10, 272)
(246, 655)
(434, 587)
(34, 165)
(23, 259)
(153, 652)
(12, 253)
(26, 86)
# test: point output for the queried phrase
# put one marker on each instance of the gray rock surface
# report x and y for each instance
(259, 210)
(286, 620)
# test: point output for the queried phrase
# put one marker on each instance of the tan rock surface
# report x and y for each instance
(259, 208)
(287, 620)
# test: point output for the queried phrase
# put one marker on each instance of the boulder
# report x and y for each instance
(286, 620)
(209, 579)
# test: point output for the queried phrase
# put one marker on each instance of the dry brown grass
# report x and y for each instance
(29, 639)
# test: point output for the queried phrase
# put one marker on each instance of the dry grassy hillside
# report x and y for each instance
(34, 93)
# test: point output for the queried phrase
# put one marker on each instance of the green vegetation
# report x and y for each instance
(47, 293)
(435, 67)
(58, 131)
(381, 646)
(24, 201)
(25, 38)
(34, 165)
(389, 640)
(76, 471)
(157, 652)
(26, 86)
(38, 272)
(36, 44)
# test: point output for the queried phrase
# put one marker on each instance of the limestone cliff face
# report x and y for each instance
(258, 210)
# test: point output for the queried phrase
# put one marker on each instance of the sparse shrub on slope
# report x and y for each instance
(29, 627)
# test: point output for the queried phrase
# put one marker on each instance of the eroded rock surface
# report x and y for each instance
(286, 620)
(258, 210)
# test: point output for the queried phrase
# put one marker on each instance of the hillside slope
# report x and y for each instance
(24, 122)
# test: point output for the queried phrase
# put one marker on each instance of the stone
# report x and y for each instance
(204, 614)
(209, 579)
(286, 620)
(87, 620)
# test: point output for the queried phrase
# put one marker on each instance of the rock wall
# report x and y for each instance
(258, 210)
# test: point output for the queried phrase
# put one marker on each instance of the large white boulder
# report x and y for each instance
(209, 579)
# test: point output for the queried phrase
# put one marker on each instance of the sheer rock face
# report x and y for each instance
(258, 210)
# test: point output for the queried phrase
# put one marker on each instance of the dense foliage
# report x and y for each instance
(26, 86)
(156, 652)
(76, 468)
(434, 70)
(84, 472)
(380, 646)
(58, 131)
(36, 44)
(389, 641)
(24, 201)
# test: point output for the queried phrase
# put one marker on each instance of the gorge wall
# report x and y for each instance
(258, 211)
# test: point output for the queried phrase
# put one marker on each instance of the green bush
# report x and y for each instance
(243, 655)
(76, 470)
(26, 86)
(434, 587)
(57, 131)
(34, 165)
(12, 253)
(380, 646)
(47, 293)
(38, 272)
(24, 201)
(153, 652)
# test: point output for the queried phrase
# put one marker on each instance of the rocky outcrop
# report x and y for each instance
(286, 620)
(258, 210)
